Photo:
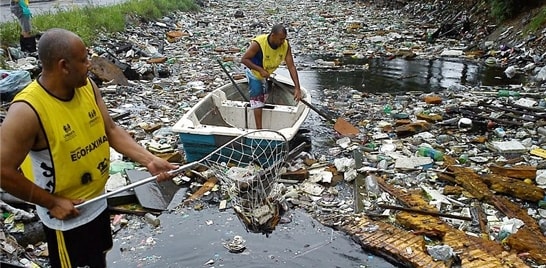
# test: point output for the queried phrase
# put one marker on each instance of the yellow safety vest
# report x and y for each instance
(77, 161)
(270, 58)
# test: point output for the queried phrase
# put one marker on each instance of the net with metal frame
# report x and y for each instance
(248, 168)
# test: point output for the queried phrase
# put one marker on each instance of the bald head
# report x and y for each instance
(278, 29)
(56, 44)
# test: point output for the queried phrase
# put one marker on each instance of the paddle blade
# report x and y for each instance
(345, 128)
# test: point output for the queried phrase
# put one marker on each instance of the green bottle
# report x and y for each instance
(507, 93)
(387, 109)
(430, 152)
(463, 158)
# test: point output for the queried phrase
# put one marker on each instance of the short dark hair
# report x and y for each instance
(278, 28)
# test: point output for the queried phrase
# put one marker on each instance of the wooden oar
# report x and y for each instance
(340, 125)
(238, 89)
(233, 81)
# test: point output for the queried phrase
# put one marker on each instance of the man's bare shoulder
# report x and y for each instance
(21, 123)
(20, 109)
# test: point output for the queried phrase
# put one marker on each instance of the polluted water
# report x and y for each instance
(198, 239)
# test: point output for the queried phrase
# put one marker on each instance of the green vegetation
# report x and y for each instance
(503, 10)
(537, 22)
(91, 20)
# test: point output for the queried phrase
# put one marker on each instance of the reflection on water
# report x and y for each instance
(395, 76)
(400, 75)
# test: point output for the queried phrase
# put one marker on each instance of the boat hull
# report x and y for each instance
(197, 147)
(223, 115)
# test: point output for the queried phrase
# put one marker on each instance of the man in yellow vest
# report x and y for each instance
(61, 122)
(264, 55)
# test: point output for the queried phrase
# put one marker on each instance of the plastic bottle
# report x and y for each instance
(370, 146)
(507, 93)
(383, 164)
(541, 131)
(151, 219)
(463, 158)
(430, 152)
(387, 109)
(542, 103)
(372, 187)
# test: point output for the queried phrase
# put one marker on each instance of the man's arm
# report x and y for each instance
(19, 133)
(250, 52)
(293, 73)
(120, 140)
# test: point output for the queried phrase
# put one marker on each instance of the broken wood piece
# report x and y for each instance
(157, 60)
(476, 114)
(173, 157)
(413, 128)
(133, 208)
(513, 187)
(538, 152)
(432, 118)
(528, 238)
(468, 179)
(473, 251)
(536, 113)
(431, 213)
(385, 240)
(433, 99)
(298, 175)
(519, 172)
(482, 219)
(453, 190)
(209, 184)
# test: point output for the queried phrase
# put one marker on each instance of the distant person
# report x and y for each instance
(20, 9)
(61, 122)
(264, 55)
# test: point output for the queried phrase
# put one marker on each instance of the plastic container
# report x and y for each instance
(500, 132)
(464, 123)
(430, 152)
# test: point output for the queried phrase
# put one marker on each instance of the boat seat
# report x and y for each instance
(231, 103)
(273, 116)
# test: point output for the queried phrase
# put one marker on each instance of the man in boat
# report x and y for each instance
(264, 55)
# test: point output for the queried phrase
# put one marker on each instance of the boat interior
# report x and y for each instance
(226, 107)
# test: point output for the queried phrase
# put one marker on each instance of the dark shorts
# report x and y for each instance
(24, 21)
(83, 246)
